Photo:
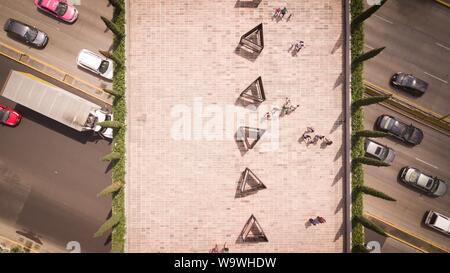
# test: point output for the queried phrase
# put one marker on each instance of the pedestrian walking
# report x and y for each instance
(312, 221)
(268, 116)
(214, 250)
(277, 12)
(309, 129)
(299, 45)
(283, 11)
(321, 219)
(327, 142)
(225, 249)
(306, 136)
(292, 108)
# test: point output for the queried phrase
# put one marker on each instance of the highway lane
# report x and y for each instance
(431, 156)
(66, 40)
(49, 177)
(417, 40)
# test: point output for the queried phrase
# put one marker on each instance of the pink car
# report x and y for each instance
(58, 8)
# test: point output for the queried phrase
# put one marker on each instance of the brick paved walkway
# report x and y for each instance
(180, 194)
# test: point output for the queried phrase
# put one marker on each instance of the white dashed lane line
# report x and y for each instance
(436, 77)
(418, 159)
(384, 19)
(443, 46)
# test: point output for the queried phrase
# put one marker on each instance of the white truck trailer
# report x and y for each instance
(55, 103)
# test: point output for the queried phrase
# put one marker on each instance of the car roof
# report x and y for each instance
(18, 27)
(371, 146)
(442, 222)
(89, 59)
(423, 180)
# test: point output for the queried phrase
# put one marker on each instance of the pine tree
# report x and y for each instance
(371, 133)
(114, 187)
(365, 56)
(110, 124)
(368, 101)
(111, 156)
(109, 224)
(370, 161)
(112, 92)
(370, 225)
(111, 56)
(113, 27)
(374, 192)
(358, 20)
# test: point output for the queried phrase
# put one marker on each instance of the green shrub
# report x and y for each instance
(369, 225)
(113, 27)
(358, 20)
(371, 133)
(365, 56)
(370, 161)
(374, 192)
(368, 101)
(114, 187)
(109, 224)
(110, 124)
(360, 249)
(112, 92)
(112, 156)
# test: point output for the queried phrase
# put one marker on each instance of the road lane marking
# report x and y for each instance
(443, 46)
(384, 19)
(436, 77)
(418, 159)
(369, 47)
(407, 232)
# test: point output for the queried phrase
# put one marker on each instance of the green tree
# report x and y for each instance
(114, 187)
(373, 192)
(111, 56)
(111, 156)
(110, 124)
(358, 20)
(112, 92)
(113, 27)
(109, 224)
(117, 4)
(369, 224)
(365, 56)
(371, 133)
(368, 101)
(370, 161)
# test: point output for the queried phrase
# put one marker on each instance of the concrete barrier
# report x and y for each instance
(410, 109)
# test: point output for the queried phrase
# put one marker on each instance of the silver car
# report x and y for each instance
(95, 63)
(379, 151)
(414, 177)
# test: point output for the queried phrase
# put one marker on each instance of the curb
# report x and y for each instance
(55, 73)
(409, 109)
(444, 3)
(442, 249)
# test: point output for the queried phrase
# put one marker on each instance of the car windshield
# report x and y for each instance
(4, 115)
(398, 128)
(103, 66)
(408, 132)
(61, 8)
(31, 34)
(378, 151)
(436, 184)
(107, 118)
(433, 219)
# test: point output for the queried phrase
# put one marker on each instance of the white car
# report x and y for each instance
(96, 63)
(104, 131)
(438, 221)
(379, 151)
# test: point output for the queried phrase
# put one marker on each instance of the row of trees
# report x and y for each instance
(357, 156)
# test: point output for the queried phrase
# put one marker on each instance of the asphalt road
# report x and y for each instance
(431, 156)
(65, 40)
(49, 177)
(416, 34)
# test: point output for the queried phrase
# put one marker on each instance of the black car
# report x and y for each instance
(406, 133)
(28, 34)
(409, 83)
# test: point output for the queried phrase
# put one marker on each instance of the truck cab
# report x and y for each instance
(97, 116)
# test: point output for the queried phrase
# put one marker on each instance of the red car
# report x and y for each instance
(9, 116)
(58, 8)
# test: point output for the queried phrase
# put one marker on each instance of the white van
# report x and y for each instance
(438, 221)
(96, 63)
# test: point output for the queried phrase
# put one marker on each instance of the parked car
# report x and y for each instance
(96, 63)
(409, 83)
(58, 8)
(406, 133)
(25, 33)
(9, 116)
(426, 183)
(379, 151)
(438, 221)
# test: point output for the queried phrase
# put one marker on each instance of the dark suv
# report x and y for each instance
(405, 132)
(25, 33)
(409, 83)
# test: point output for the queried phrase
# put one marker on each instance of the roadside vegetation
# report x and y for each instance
(116, 223)
(358, 56)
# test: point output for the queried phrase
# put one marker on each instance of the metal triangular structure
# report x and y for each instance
(252, 232)
(254, 93)
(254, 39)
(247, 134)
(249, 184)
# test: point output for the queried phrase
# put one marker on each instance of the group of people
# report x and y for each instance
(279, 13)
(309, 140)
(286, 109)
(317, 220)
(217, 250)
